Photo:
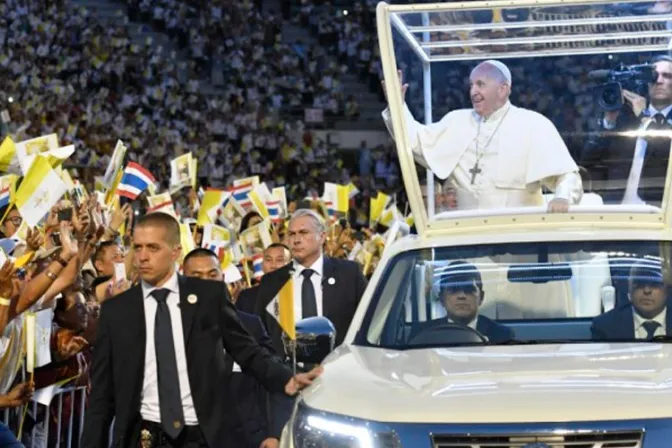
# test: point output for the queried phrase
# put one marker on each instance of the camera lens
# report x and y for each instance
(609, 96)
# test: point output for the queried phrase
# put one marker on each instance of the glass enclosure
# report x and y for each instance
(590, 83)
(515, 292)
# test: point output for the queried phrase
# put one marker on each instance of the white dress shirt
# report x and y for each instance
(149, 407)
(316, 278)
(640, 331)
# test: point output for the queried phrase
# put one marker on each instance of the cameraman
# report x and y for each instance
(621, 158)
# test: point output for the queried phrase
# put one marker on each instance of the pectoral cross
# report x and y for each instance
(476, 170)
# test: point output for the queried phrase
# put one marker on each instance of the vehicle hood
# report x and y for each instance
(508, 384)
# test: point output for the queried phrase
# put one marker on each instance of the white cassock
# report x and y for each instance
(518, 151)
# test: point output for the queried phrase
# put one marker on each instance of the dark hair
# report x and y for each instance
(245, 222)
(160, 219)
(101, 248)
(199, 252)
(7, 208)
(661, 58)
(275, 245)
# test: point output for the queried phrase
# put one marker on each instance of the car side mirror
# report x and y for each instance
(315, 339)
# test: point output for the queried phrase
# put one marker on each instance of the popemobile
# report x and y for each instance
(532, 326)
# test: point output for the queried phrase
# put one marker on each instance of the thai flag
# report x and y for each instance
(257, 266)
(4, 197)
(239, 193)
(330, 208)
(135, 180)
(218, 247)
(273, 208)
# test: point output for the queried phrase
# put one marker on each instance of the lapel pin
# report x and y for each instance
(331, 281)
(191, 298)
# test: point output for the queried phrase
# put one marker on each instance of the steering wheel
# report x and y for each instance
(448, 332)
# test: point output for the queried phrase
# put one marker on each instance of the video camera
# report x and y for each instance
(635, 78)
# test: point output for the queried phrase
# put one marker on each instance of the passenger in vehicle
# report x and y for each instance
(645, 317)
(461, 292)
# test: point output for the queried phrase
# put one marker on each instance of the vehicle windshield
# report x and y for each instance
(521, 293)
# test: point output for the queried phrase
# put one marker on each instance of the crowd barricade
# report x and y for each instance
(67, 425)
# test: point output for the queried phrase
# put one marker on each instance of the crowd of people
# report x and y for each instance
(67, 265)
(64, 71)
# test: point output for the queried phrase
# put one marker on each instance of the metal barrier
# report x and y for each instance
(66, 429)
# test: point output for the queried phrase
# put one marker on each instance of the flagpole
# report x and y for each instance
(294, 356)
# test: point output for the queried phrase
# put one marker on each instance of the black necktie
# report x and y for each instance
(658, 122)
(650, 326)
(170, 399)
(308, 300)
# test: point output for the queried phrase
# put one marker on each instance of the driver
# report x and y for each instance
(461, 292)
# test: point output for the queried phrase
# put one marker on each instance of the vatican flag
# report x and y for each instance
(282, 309)
(40, 190)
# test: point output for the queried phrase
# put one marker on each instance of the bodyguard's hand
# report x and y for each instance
(404, 87)
(302, 380)
(558, 206)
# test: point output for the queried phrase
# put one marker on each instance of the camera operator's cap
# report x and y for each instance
(501, 67)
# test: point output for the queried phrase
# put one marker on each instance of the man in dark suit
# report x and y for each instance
(322, 286)
(158, 366)
(645, 317)
(621, 155)
(461, 292)
(258, 417)
(276, 256)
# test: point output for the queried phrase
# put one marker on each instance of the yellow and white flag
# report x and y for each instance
(56, 157)
(378, 204)
(186, 241)
(259, 196)
(212, 206)
(115, 166)
(282, 309)
(40, 190)
(7, 154)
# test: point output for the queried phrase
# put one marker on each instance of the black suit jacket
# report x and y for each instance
(247, 300)
(258, 413)
(210, 325)
(495, 332)
(340, 297)
(619, 324)
(609, 154)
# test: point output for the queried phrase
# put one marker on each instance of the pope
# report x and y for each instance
(496, 154)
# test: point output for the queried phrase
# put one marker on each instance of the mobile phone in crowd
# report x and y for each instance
(65, 214)
(119, 271)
